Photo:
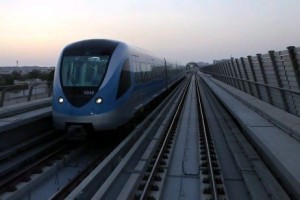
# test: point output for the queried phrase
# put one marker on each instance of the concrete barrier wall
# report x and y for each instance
(273, 77)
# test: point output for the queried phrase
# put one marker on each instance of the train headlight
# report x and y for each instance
(98, 100)
(60, 100)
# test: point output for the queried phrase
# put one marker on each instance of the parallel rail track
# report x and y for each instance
(264, 185)
(163, 147)
(208, 156)
(212, 182)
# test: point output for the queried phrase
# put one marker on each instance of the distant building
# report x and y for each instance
(200, 64)
(218, 61)
(25, 69)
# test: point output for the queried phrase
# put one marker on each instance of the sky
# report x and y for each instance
(34, 32)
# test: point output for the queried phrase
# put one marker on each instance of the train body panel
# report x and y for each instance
(102, 83)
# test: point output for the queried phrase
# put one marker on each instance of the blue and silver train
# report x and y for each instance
(101, 84)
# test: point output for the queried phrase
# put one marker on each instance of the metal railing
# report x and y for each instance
(273, 77)
(13, 94)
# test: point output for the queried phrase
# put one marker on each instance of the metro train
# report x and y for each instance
(101, 84)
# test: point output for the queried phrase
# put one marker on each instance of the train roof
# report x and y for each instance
(110, 46)
(94, 43)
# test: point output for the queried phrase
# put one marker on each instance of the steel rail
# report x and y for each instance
(15, 177)
(211, 171)
(61, 194)
(159, 156)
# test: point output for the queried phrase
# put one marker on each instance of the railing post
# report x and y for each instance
(246, 74)
(260, 63)
(235, 75)
(230, 70)
(3, 92)
(240, 73)
(254, 76)
(224, 72)
(220, 72)
(292, 53)
(284, 100)
(30, 92)
(50, 88)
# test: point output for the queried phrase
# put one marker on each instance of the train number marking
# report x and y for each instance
(88, 92)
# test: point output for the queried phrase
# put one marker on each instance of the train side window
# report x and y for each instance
(125, 79)
(138, 72)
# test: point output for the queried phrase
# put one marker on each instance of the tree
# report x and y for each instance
(50, 76)
(16, 75)
(7, 79)
(34, 74)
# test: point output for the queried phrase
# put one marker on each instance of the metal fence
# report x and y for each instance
(20, 93)
(273, 77)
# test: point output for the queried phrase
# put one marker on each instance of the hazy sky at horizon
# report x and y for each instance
(35, 31)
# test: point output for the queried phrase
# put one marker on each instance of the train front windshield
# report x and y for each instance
(83, 71)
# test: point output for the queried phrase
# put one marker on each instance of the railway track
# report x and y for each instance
(157, 165)
(247, 175)
(12, 178)
(69, 187)
(19, 163)
(58, 169)
(209, 163)
(211, 178)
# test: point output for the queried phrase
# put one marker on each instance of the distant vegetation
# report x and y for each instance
(8, 79)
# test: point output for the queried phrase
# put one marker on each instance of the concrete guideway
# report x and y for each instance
(274, 132)
(18, 108)
(245, 174)
(276, 140)
(16, 115)
(183, 173)
(22, 121)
